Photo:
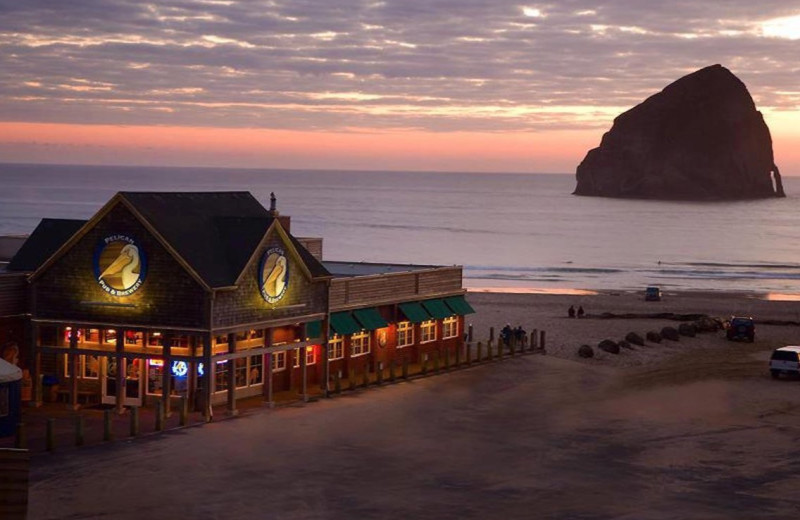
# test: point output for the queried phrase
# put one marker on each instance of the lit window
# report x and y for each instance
(450, 327)
(110, 336)
(336, 347)
(311, 356)
(240, 372)
(278, 361)
(405, 334)
(155, 339)
(221, 376)
(255, 370)
(359, 343)
(88, 367)
(427, 331)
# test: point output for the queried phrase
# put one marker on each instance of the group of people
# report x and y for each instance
(571, 311)
(507, 333)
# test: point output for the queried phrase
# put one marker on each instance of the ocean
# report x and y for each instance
(509, 231)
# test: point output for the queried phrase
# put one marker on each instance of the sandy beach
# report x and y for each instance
(694, 429)
(548, 312)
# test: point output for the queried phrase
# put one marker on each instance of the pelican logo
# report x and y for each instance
(273, 274)
(120, 265)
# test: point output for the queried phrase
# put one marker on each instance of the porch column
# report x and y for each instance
(166, 374)
(36, 365)
(232, 376)
(268, 368)
(326, 365)
(208, 374)
(72, 359)
(119, 398)
(303, 353)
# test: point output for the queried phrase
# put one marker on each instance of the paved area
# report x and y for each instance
(706, 436)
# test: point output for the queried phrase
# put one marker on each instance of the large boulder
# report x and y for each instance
(707, 324)
(624, 344)
(701, 138)
(670, 333)
(687, 329)
(609, 346)
(634, 338)
(585, 351)
(653, 336)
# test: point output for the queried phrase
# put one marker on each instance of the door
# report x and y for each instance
(133, 381)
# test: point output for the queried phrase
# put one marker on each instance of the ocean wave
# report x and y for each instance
(577, 270)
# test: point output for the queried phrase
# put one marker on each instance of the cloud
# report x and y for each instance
(437, 65)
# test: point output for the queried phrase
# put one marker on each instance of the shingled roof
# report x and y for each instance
(49, 235)
(216, 233)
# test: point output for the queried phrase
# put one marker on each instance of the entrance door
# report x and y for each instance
(133, 381)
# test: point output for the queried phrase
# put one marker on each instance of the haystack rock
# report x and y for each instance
(701, 138)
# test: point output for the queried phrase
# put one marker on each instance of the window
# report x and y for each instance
(240, 372)
(359, 343)
(92, 335)
(450, 327)
(427, 330)
(405, 334)
(279, 361)
(155, 339)
(336, 347)
(88, 367)
(311, 356)
(221, 376)
(110, 336)
(133, 337)
(255, 370)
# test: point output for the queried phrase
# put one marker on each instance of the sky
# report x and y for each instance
(450, 85)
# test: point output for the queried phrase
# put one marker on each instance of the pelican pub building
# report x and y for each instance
(209, 296)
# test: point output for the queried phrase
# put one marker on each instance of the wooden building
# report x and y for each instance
(209, 296)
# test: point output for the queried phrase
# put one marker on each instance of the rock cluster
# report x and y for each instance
(701, 138)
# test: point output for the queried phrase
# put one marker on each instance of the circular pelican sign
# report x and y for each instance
(120, 265)
(273, 274)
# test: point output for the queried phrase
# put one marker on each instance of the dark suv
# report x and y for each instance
(741, 328)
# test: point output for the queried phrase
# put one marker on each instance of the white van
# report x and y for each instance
(785, 360)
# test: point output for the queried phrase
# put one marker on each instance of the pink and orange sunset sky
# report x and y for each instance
(452, 85)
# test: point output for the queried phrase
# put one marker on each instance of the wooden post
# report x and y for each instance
(36, 375)
(107, 434)
(268, 383)
(469, 354)
(437, 361)
(119, 397)
(491, 335)
(379, 375)
(303, 353)
(489, 348)
(79, 437)
(183, 420)
(232, 375)
(337, 383)
(20, 439)
(134, 421)
(351, 379)
(365, 379)
(208, 378)
(166, 374)
(405, 368)
(469, 333)
(512, 344)
(541, 341)
(446, 359)
(391, 371)
(326, 367)
(50, 435)
(424, 367)
(159, 416)
(500, 348)
(534, 339)
(73, 368)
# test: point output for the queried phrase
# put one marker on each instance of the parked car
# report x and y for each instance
(741, 328)
(652, 294)
(786, 361)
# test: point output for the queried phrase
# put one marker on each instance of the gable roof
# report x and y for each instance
(46, 239)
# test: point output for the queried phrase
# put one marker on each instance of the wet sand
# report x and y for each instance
(690, 430)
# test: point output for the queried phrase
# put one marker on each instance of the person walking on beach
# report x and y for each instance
(571, 311)
(505, 334)
(580, 311)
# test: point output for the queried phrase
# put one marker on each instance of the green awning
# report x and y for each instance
(414, 312)
(314, 329)
(437, 309)
(370, 318)
(343, 323)
(459, 305)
